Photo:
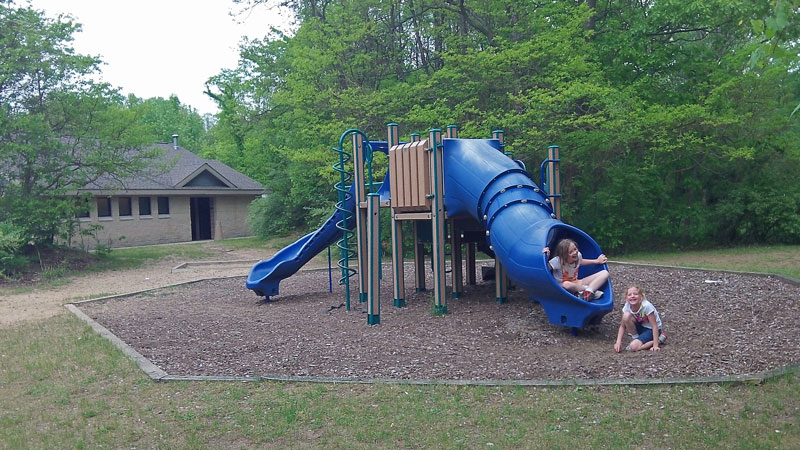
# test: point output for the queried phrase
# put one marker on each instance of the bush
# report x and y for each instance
(12, 240)
(765, 215)
(267, 216)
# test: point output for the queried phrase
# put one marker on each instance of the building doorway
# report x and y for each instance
(200, 211)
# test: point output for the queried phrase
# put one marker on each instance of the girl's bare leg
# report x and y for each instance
(628, 322)
(572, 287)
(595, 280)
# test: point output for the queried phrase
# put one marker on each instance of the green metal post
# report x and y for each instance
(437, 221)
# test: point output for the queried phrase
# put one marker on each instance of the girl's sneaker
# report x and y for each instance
(588, 295)
(662, 337)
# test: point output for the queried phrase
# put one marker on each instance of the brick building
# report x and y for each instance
(180, 198)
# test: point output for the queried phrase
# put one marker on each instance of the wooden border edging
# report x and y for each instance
(186, 266)
(757, 378)
(144, 364)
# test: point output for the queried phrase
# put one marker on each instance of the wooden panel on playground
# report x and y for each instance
(409, 172)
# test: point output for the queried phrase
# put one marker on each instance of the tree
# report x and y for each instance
(776, 34)
(656, 104)
(777, 37)
(692, 128)
(164, 118)
(59, 129)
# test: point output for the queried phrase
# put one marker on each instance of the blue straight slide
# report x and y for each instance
(265, 276)
(483, 183)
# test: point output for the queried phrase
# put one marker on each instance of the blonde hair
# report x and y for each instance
(562, 248)
(634, 286)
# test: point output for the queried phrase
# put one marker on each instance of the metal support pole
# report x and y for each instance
(554, 179)
(501, 282)
(398, 272)
(419, 258)
(359, 181)
(471, 251)
(455, 241)
(500, 277)
(419, 247)
(437, 221)
(456, 259)
(373, 259)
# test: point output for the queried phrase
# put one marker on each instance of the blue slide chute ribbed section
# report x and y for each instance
(482, 182)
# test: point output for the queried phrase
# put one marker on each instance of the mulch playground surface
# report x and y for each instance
(718, 324)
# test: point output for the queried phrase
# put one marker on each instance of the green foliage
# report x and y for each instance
(763, 209)
(668, 134)
(675, 117)
(59, 130)
(266, 216)
(12, 240)
(165, 118)
(776, 34)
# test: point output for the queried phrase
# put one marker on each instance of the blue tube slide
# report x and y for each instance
(483, 183)
(265, 276)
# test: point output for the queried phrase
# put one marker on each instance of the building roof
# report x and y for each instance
(178, 169)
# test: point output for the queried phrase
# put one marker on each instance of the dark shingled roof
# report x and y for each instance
(173, 169)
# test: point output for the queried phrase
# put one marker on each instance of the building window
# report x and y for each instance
(103, 206)
(163, 206)
(125, 207)
(83, 208)
(144, 206)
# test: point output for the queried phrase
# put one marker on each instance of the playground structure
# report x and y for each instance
(470, 187)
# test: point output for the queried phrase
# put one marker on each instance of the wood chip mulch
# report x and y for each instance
(718, 324)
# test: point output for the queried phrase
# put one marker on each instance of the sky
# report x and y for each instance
(159, 48)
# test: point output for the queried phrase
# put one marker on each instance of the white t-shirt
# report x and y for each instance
(645, 309)
(567, 272)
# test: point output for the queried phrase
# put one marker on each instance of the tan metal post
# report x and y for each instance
(554, 179)
(419, 247)
(398, 272)
(373, 259)
(361, 213)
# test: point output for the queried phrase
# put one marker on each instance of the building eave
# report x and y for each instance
(195, 192)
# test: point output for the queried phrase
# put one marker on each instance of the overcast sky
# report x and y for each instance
(157, 48)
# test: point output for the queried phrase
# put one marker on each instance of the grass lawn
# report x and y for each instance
(62, 386)
(778, 259)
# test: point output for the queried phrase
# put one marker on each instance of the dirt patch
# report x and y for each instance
(718, 324)
(39, 304)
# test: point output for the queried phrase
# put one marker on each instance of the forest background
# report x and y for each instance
(676, 118)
